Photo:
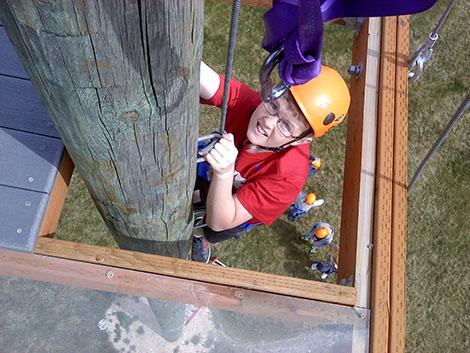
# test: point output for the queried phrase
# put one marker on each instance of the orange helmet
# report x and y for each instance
(324, 100)
(310, 198)
(315, 162)
(322, 232)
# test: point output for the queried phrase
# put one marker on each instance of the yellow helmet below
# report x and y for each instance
(324, 100)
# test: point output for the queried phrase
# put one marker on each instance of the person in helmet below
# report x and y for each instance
(261, 164)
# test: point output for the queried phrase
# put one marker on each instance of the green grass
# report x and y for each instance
(438, 215)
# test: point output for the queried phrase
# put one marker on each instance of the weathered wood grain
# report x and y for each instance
(202, 272)
(121, 83)
(399, 205)
(381, 256)
(359, 175)
(152, 285)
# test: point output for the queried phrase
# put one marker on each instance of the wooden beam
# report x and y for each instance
(399, 189)
(162, 265)
(359, 169)
(123, 132)
(380, 291)
(352, 162)
(129, 282)
(57, 197)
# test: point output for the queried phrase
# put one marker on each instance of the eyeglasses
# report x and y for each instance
(282, 125)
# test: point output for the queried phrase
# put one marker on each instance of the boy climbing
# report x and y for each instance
(261, 164)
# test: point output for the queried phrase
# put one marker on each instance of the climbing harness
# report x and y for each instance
(451, 124)
(424, 53)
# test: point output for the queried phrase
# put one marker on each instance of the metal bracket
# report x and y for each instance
(362, 313)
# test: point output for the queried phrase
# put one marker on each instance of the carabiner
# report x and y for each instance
(269, 93)
(417, 61)
(213, 139)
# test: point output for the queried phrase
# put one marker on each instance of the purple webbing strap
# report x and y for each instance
(298, 25)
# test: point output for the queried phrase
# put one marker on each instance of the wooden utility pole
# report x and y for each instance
(121, 81)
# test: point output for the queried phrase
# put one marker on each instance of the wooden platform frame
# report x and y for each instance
(373, 229)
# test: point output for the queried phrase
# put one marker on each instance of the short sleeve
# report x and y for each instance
(266, 199)
(242, 101)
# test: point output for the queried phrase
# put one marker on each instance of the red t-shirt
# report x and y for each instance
(265, 183)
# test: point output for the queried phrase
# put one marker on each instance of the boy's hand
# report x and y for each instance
(222, 157)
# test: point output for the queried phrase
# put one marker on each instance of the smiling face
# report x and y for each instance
(276, 123)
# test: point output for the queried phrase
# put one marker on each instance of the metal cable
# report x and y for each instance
(444, 16)
(457, 116)
(424, 53)
(230, 54)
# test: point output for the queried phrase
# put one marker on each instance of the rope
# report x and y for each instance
(457, 116)
(228, 67)
(424, 53)
(215, 137)
(444, 16)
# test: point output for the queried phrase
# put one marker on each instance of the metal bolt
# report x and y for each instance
(355, 70)
(30, 179)
(109, 275)
(360, 313)
(19, 230)
(27, 203)
(370, 246)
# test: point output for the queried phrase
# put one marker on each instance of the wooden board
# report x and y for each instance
(29, 161)
(57, 197)
(202, 272)
(380, 290)
(399, 205)
(352, 163)
(130, 282)
(359, 172)
(22, 109)
(20, 217)
(10, 64)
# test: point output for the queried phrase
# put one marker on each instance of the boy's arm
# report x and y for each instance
(209, 82)
(223, 210)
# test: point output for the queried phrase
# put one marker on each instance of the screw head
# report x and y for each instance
(109, 275)
(19, 230)
(27, 203)
(30, 179)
